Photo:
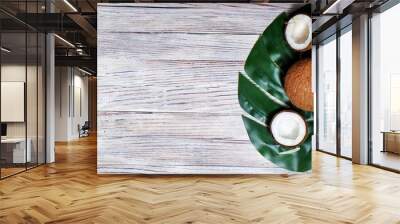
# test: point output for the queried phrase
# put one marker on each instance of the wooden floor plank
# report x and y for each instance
(70, 191)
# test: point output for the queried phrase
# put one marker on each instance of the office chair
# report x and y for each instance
(84, 130)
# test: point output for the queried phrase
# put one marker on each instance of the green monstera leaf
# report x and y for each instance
(297, 159)
(261, 95)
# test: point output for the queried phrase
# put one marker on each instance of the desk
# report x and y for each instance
(391, 141)
(18, 149)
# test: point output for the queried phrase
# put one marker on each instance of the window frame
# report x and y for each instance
(377, 10)
(333, 37)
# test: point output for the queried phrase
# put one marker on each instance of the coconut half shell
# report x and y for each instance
(298, 32)
(298, 83)
(288, 128)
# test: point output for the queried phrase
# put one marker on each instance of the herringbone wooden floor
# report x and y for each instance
(70, 191)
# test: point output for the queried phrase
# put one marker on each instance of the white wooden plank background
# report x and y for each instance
(167, 88)
(186, 80)
(176, 46)
(228, 18)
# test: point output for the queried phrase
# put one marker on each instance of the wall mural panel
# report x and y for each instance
(168, 87)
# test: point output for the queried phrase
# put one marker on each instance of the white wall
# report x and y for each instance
(62, 81)
(80, 109)
(70, 83)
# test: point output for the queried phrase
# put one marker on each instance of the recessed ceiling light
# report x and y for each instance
(64, 40)
(70, 5)
(84, 71)
(337, 7)
(5, 50)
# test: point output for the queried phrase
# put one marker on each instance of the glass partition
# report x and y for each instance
(22, 78)
(346, 95)
(385, 89)
(41, 107)
(13, 94)
(32, 87)
(326, 101)
(31, 99)
(41, 89)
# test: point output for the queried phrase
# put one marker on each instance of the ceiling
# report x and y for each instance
(75, 23)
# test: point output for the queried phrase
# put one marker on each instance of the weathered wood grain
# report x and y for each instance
(180, 125)
(186, 142)
(167, 88)
(173, 46)
(189, 18)
(177, 86)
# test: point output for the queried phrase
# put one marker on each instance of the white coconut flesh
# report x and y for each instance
(298, 32)
(288, 128)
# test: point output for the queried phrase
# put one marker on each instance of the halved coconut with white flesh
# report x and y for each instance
(288, 128)
(298, 32)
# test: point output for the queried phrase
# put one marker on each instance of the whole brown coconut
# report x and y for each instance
(298, 85)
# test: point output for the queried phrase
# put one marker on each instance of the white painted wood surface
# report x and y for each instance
(167, 88)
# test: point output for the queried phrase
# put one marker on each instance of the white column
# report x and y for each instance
(314, 90)
(360, 90)
(50, 92)
(50, 100)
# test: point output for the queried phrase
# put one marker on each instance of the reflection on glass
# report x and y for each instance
(13, 86)
(31, 86)
(346, 94)
(31, 101)
(22, 90)
(41, 98)
(327, 96)
(385, 89)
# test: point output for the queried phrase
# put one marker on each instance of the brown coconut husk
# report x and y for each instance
(298, 85)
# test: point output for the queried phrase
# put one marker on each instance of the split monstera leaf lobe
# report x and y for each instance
(291, 159)
(261, 95)
(256, 101)
(271, 55)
